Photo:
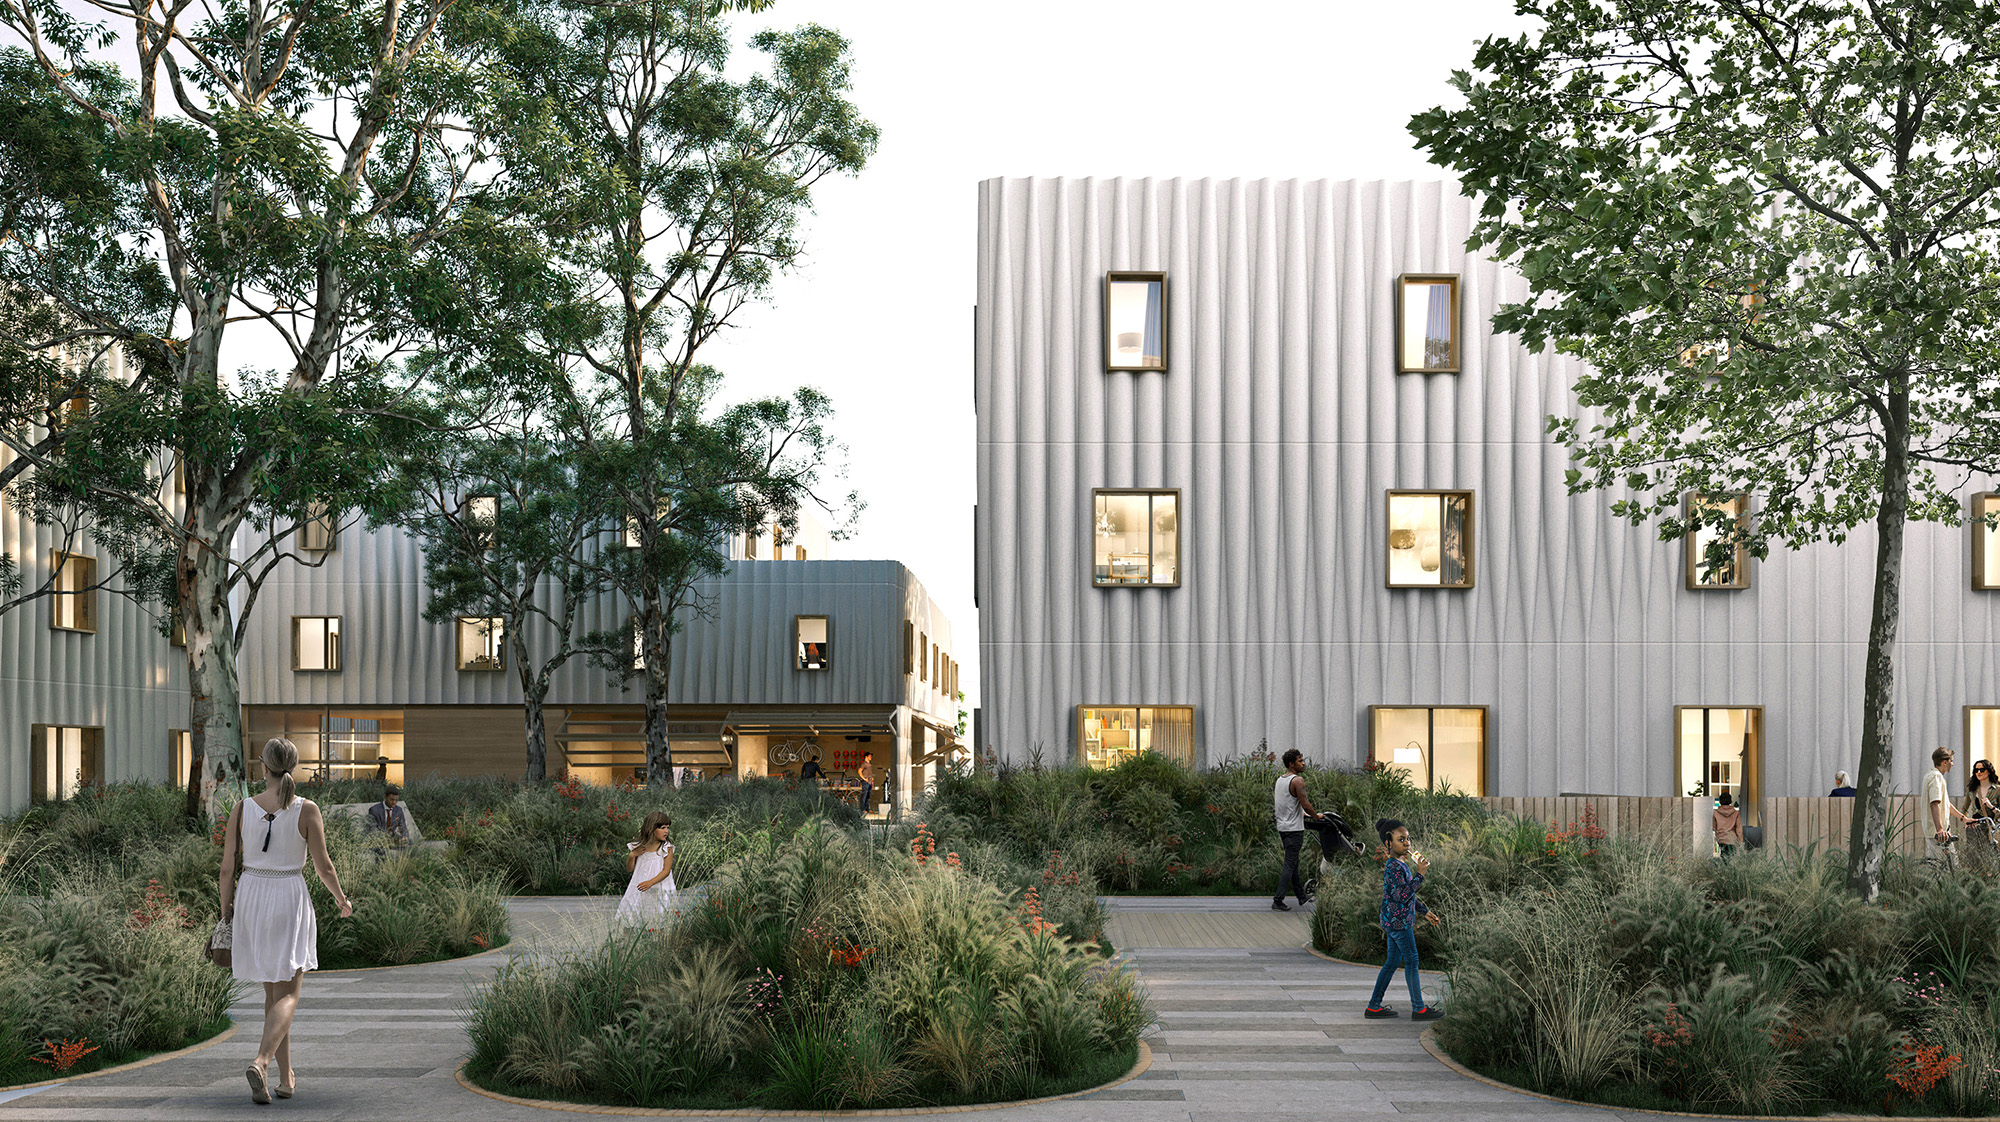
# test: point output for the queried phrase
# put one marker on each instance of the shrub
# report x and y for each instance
(831, 973)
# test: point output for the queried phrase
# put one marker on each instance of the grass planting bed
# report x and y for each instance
(1604, 971)
(820, 973)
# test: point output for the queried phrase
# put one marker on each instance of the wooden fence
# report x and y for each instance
(1681, 825)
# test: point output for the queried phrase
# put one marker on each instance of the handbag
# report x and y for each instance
(219, 940)
(222, 938)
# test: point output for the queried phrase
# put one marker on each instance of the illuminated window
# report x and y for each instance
(481, 514)
(319, 533)
(1136, 538)
(1107, 735)
(63, 760)
(315, 642)
(1986, 541)
(73, 605)
(1135, 321)
(180, 758)
(1436, 748)
(1718, 749)
(364, 744)
(1427, 323)
(482, 643)
(923, 664)
(1982, 735)
(1712, 562)
(1430, 539)
(813, 636)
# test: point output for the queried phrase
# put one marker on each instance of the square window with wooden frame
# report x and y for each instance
(1427, 324)
(1108, 735)
(813, 642)
(73, 592)
(1429, 539)
(1135, 322)
(1436, 747)
(316, 643)
(63, 760)
(319, 532)
(482, 642)
(1135, 538)
(1985, 525)
(1712, 563)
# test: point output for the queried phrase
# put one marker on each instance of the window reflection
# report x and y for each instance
(1134, 321)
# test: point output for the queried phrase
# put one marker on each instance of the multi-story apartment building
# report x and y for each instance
(1255, 468)
(91, 685)
(790, 653)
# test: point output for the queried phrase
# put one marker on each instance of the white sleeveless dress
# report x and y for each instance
(275, 934)
(648, 908)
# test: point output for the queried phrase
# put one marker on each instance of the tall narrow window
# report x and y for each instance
(1720, 749)
(1107, 735)
(1986, 541)
(814, 639)
(1136, 538)
(923, 657)
(1430, 539)
(177, 634)
(1427, 323)
(482, 515)
(909, 647)
(63, 760)
(482, 643)
(319, 533)
(73, 605)
(315, 642)
(180, 758)
(750, 545)
(1135, 321)
(1437, 748)
(1712, 562)
(777, 542)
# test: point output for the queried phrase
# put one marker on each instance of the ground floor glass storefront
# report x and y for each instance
(332, 743)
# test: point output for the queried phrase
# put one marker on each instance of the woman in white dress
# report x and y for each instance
(275, 935)
(651, 863)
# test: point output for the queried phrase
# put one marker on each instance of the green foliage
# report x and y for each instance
(1150, 825)
(829, 974)
(1756, 985)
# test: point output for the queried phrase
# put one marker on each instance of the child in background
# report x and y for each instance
(651, 861)
(1728, 824)
(1399, 918)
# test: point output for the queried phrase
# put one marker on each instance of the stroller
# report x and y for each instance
(1335, 836)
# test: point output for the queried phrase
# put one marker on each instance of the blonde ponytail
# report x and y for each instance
(281, 758)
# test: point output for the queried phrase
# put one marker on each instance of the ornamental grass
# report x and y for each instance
(817, 972)
(1602, 969)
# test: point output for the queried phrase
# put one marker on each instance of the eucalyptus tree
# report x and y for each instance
(1769, 227)
(513, 530)
(288, 195)
(685, 190)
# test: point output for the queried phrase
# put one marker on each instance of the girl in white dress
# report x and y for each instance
(651, 863)
(275, 935)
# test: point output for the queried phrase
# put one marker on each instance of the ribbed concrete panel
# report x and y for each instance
(1283, 423)
(735, 650)
(125, 678)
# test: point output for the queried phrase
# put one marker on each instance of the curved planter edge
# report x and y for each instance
(1317, 953)
(1143, 1061)
(135, 1065)
(1431, 1045)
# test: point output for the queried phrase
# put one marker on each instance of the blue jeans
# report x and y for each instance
(1402, 952)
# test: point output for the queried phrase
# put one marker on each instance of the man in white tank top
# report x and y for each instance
(1288, 798)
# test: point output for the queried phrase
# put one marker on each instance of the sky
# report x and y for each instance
(879, 315)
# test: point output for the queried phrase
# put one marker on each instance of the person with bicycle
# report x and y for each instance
(1938, 849)
(1982, 790)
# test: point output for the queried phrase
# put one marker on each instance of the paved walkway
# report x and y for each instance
(1257, 1030)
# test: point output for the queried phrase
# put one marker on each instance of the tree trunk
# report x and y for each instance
(215, 718)
(1867, 834)
(659, 659)
(534, 688)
